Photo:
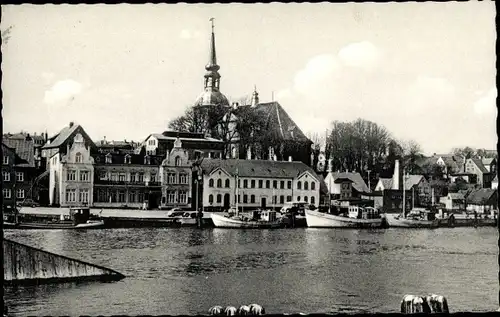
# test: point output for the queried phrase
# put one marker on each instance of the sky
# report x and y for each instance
(426, 71)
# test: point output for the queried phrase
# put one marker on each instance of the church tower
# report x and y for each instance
(211, 105)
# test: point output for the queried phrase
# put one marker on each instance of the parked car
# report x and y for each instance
(28, 202)
(175, 212)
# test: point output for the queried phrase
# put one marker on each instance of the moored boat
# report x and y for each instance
(316, 219)
(412, 220)
(241, 222)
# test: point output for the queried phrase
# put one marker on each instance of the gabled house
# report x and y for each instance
(454, 201)
(357, 183)
(482, 200)
(490, 164)
(475, 166)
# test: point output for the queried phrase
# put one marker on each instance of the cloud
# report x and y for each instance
(363, 54)
(47, 77)
(62, 90)
(487, 103)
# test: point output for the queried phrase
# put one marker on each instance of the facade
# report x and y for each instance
(454, 201)
(476, 167)
(176, 178)
(261, 184)
(72, 174)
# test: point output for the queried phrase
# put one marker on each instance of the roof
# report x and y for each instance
(487, 161)
(258, 168)
(58, 139)
(457, 196)
(25, 149)
(480, 196)
(386, 182)
(279, 121)
(162, 137)
(412, 180)
(480, 165)
(358, 182)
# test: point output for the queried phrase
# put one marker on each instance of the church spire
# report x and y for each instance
(212, 76)
(255, 97)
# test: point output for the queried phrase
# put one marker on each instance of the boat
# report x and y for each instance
(357, 217)
(79, 218)
(267, 220)
(416, 218)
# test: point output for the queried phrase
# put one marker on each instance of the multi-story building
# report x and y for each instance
(261, 183)
(483, 175)
(176, 178)
(127, 180)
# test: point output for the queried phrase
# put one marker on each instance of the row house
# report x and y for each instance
(176, 178)
(124, 180)
(261, 183)
(21, 167)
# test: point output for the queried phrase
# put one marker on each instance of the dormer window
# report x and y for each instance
(78, 158)
(127, 159)
(108, 158)
(177, 161)
(147, 160)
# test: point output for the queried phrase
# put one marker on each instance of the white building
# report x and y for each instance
(261, 183)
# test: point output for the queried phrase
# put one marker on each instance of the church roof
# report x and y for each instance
(211, 97)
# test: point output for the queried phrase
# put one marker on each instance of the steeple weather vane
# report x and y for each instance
(212, 20)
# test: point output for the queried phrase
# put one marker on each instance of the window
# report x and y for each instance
(108, 159)
(71, 176)
(298, 198)
(282, 184)
(313, 200)
(288, 198)
(275, 184)
(211, 199)
(305, 199)
(245, 183)
(140, 197)
(219, 198)
(245, 199)
(252, 199)
(183, 178)
(84, 195)
(171, 178)
(70, 195)
(282, 199)
(227, 183)
(153, 178)
(260, 183)
(114, 177)
(141, 177)
(20, 193)
(102, 175)
(170, 197)
(306, 186)
(178, 161)
(289, 184)
(313, 186)
(131, 197)
(5, 160)
(182, 197)
(219, 183)
(6, 176)
(6, 193)
(78, 157)
(299, 185)
(84, 176)
(132, 177)
(275, 199)
(268, 184)
(147, 160)
(127, 159)
(210, 182)
(239, 183)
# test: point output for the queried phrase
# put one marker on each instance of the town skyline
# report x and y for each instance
(138, 76)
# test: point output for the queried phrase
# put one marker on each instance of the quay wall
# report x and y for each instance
(25, 264)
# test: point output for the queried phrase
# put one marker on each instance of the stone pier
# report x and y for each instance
(28, 265)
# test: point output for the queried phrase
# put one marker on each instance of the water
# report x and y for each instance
(186, 271)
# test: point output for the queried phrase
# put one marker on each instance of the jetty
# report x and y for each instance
(24, 264)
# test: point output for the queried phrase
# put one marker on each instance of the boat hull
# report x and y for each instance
(398, 222)
(220, 221)
(52, 226)
(317, 219)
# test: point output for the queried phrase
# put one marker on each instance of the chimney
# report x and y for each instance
(71, 124)
(289, 159)
(395, 176)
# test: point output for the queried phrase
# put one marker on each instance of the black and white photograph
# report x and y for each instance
(249, 159)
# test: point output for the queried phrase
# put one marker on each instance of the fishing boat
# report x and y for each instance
(357, 217)
(267, 220)
(79, 218)
(414, 219)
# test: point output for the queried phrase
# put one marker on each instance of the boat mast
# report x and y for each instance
(237, 192)
(413, 197)
(404, 196)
